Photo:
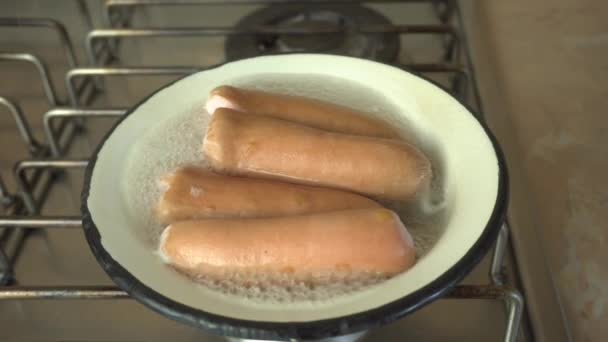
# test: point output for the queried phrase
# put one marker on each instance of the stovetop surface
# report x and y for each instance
(57, 257)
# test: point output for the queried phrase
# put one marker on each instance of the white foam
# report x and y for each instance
(178, 141)
(280, 287)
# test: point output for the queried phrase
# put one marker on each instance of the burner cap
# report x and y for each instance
(344, 18)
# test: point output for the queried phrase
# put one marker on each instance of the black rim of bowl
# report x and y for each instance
(343, 325)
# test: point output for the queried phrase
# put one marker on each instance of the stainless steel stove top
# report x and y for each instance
(70, 69)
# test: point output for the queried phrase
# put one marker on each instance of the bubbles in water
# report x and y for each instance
(282, 287)
(178, 141)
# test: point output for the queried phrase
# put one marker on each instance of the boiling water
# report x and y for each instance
(280, 287)
(178, 141)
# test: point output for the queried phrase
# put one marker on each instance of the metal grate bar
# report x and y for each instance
(65, 42)
(25, 190)
(488, 292)
(47, 23)
(497, 271)
(6, 199)
(40, 221)
(63, 292)
(6, 267)
(140, 71)
(118, 3)
(22, 126)
(512, 298)
(70, 113)
(112, 35)
(42, 71)
(116, 8)
(220, 31)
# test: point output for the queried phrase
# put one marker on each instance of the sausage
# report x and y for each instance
(306, 111)
(195, 193)
(359, 240)
(260, 146)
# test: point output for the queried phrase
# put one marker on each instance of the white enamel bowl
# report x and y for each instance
(473, 174)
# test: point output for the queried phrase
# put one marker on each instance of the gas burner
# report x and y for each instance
(381, 47)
